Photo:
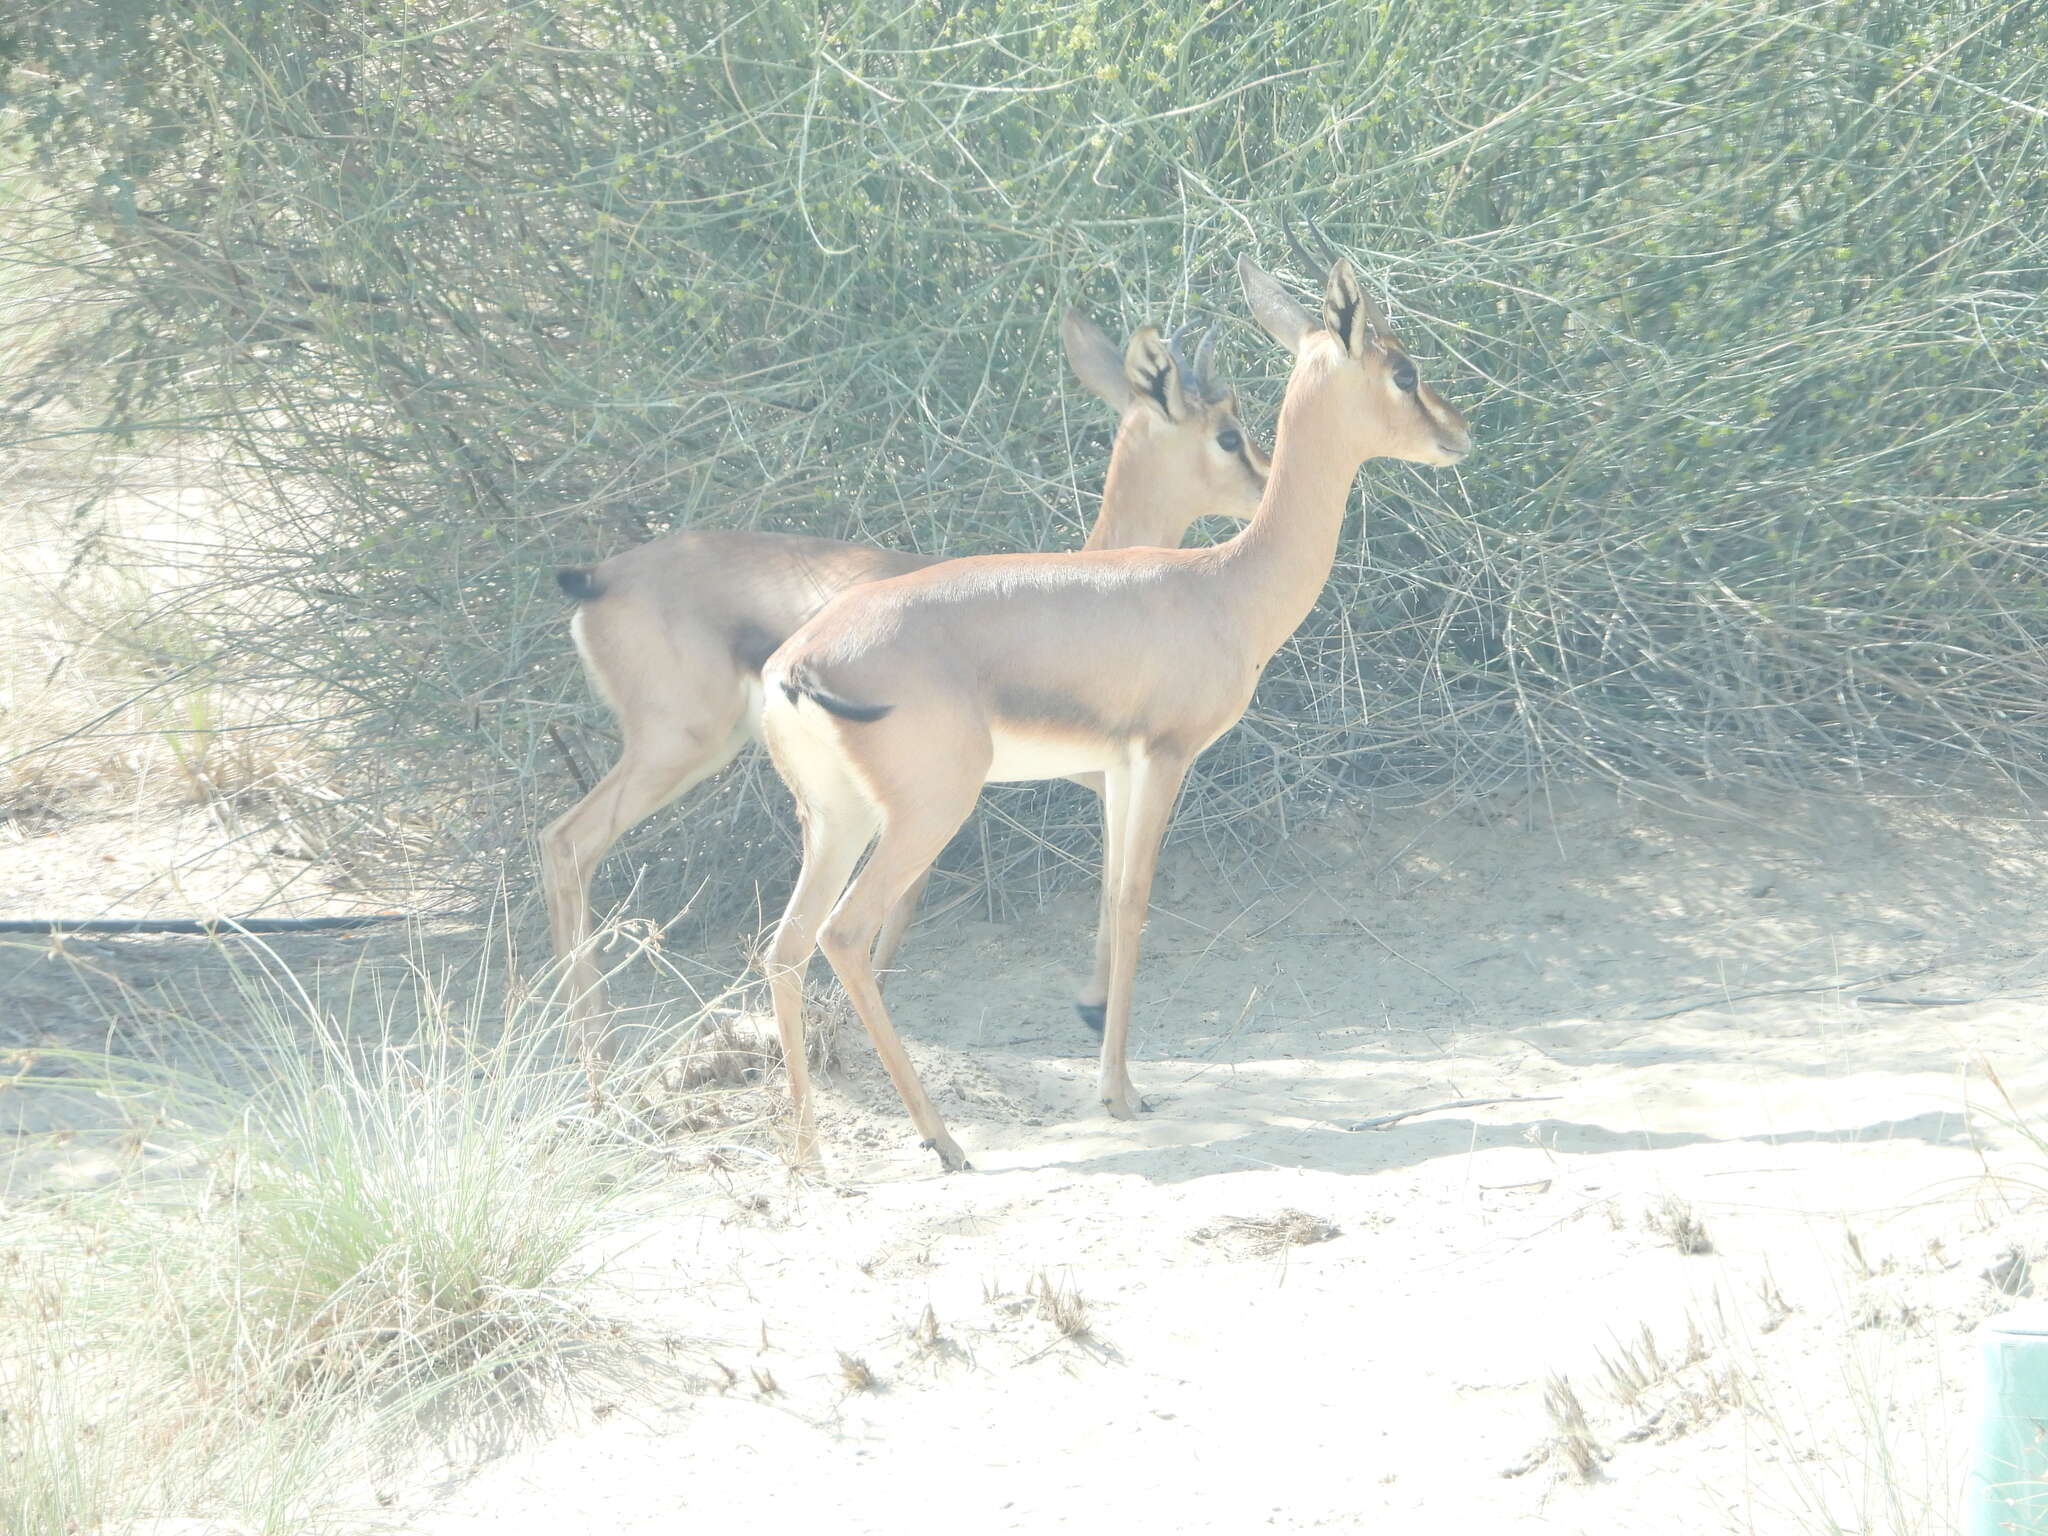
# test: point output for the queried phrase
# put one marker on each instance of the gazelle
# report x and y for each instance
(889, 710)
(673, 633)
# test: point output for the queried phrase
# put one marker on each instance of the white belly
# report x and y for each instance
(1024, 756)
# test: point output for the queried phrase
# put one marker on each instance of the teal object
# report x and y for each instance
(2007, 1494)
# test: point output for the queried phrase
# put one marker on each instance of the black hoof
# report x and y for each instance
(948, 1162)
(1092, 1014)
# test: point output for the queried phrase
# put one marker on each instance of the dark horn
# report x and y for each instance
(1205, 354)
(1375, 317)
(1308, 264)
(1190, 381)
(1330, 251)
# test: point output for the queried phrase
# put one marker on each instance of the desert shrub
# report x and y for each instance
(389, 1221)
(1744, 301)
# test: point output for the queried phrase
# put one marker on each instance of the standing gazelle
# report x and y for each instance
(889, 710)
(673, 632)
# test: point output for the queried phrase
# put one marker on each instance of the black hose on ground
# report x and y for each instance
(205, 925)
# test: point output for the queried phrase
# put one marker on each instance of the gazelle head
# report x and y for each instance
(1178, 434)
(1381, 403)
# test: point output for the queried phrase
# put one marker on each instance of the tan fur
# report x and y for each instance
(675, 639)
(1130, 661)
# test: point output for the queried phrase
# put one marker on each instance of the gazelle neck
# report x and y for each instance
(1282, 559)
(1139, 510)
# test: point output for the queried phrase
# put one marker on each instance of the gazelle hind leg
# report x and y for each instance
(837, 828)
(901, 916)
(1140, 801)
(651, 771)
(912, 836)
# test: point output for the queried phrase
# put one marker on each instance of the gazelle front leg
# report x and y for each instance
(1137, 806)
(1094, 998)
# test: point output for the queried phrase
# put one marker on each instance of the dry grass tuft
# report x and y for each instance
(1675, 1222)
(2012, 1272)
(1662, 1394)
(1573, 1444)
(931, 1343)
(1062, 1306)
(1776, 1307)
(1633, 1368)
(1263, 1235)
(717, 1054)
(858, 1375)
(1696, 1346)
(828, 1017)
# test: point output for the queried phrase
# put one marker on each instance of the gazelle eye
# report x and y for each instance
(1229, 440)
(1404, 374)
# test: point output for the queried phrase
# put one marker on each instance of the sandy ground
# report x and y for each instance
(1770, 1021)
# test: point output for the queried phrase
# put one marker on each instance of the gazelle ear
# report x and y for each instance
(1095, 361)
(1349, 312)
(1278, 315)
(1149, 367)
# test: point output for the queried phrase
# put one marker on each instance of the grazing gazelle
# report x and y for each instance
(673, 632)
(889, 710)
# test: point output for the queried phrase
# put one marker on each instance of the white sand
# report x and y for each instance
(1697, 994)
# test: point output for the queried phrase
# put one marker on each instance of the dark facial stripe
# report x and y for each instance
(1422, 406)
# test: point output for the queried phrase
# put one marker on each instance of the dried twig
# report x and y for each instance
(1723, 999)
(1380, 1122)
